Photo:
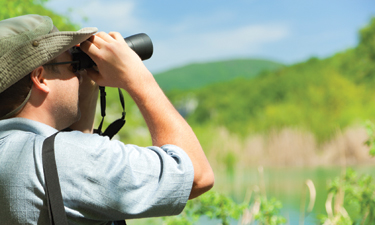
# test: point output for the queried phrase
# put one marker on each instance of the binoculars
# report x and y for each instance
(140, 43)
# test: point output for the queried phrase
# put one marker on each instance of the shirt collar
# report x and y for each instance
(27, 125)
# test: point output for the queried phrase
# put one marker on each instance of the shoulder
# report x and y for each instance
(75, 147)
(80, 139)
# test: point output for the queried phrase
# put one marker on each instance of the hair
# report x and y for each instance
(14, 96)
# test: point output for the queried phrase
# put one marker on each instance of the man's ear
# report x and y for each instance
(39, 80)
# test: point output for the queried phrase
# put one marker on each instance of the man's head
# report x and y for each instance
(26, 43)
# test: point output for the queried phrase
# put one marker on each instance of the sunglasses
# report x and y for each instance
(75, 65)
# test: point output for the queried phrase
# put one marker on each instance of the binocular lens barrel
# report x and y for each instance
(140, 43)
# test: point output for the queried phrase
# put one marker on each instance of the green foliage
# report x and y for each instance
(220, 207)
(353, 192)
(212, 205)
(316, 99)
(269, 212)
(367, 41)
(370, 128)
(230, 161)
(195, 76)
(337, 220)
(13, 8)
(358, 196)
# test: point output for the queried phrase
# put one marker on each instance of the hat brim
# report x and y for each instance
(37, 52)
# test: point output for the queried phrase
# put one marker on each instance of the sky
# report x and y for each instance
(184, 32)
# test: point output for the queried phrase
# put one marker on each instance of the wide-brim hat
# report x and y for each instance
(29, 41)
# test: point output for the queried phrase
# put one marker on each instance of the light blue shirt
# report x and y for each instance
(101, 180)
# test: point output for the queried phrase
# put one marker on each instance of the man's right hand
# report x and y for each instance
(118, 65)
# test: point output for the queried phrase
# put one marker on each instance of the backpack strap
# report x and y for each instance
(55, 205)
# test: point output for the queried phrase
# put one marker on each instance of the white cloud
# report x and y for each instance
(247, 39)
(243, 41)
(106, 15)
(193, 22)
(112, 15)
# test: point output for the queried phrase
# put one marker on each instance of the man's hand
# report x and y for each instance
(118, 65)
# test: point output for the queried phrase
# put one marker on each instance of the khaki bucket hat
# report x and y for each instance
(29, 41)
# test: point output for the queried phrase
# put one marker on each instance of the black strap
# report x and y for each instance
(114, 127)
(55, 205)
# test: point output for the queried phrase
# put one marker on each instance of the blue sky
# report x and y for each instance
(183, 32)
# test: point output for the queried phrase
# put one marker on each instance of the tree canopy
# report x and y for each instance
(13, 8)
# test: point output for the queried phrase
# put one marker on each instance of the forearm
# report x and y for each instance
(167, 126)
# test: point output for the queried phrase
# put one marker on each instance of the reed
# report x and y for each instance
(288, 147)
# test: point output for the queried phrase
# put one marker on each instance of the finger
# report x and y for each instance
(98, 41)
(116, 35)
(93, 75)
(89, 48)
(106, 37)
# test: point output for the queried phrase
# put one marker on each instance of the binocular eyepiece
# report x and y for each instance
(140, 43)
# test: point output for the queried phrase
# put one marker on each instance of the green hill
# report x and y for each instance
(319, 95)
(199, 75)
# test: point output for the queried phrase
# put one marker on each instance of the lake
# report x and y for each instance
(285, 184)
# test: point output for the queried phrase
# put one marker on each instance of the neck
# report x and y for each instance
(38, 114)
(40, 109)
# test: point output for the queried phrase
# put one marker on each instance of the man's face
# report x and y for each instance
(64, 91)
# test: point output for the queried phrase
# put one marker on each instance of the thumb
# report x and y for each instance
(94, 74)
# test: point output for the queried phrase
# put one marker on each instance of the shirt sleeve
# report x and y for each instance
(104, 180)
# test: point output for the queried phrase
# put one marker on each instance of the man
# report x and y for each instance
(101, 180)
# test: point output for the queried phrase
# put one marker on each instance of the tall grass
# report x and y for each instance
(288, 147)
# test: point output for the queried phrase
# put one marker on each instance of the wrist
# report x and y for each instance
(142, 83)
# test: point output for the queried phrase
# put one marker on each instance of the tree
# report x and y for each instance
(13, 8)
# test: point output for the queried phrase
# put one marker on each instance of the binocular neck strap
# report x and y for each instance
(114, 127)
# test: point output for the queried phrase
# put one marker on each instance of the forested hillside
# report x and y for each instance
(319, 95)
(198, 75)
